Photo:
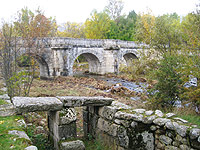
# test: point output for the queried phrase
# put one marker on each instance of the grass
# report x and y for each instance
(11, 141)
(194, 119)
(41, 141)
(189, 114)
(95, 145)
(91, 144)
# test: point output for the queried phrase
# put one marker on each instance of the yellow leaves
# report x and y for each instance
(97, 26)
(1, 122)
(145, 26)
(72, 29)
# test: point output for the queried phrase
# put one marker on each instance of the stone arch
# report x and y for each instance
(44, 68)
(94, 60)
(128, 56)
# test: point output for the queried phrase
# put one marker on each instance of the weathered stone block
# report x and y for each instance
(31, 104)
(165, 140)
(140, 111)
(159, 113)
(128, 116)
(72, 145)
(67, 131)
(149, 112)
(161, 121)
(181, 129)
(73, 101)
(169, 115)
(171, 148)
(20, 134)
(184, 147)
(107, 112)
(194, 133)
(117, 105)
(134, 124)
(110, 45)
(148, 140)
(123, 138)
(149, 119)
(181, 120)
(7, 110)
(66, 116)
(103, 125)
(31, 148)
(125, 123)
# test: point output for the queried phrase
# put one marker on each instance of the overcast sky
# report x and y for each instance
(79, 10)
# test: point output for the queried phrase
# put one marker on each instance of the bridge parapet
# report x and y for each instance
(88, 43)
(65, 42)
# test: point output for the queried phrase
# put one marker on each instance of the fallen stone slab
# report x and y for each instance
(5, 97)
(73, 145)
(7, 110)
(31, 104)
(20, 134)
(31, 148)
(76, 101)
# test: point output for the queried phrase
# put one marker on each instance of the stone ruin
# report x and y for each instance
(117, 125)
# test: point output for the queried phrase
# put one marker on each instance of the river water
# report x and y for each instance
(138, 87)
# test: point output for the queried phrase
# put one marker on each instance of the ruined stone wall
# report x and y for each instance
(124, 128)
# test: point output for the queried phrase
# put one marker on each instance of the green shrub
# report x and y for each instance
(169, 87)
(24, 61)
(142, 66)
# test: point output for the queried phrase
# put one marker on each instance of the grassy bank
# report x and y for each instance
(8, 141)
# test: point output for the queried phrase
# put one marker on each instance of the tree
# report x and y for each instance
(72, 29)
(162, 33)
(123, 27)
(30, 25)
(97, 26)
(20, 39)
(114, 8)
(191, 30)
(169, 87)
(145, 27)
(167, 33)
(16, 79)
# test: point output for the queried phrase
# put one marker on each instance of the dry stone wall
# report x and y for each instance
(124, 128)
(117, 124)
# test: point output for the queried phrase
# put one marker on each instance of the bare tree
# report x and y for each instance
(114, 8)
(22, 39)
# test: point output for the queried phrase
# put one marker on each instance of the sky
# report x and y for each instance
(80, 10)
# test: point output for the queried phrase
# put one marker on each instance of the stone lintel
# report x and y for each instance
(76, 101)
(31, 104)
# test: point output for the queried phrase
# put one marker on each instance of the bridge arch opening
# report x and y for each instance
(128, 58)
(34, 63)
(86, 62)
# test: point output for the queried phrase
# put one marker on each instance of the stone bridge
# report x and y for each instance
(103, 56)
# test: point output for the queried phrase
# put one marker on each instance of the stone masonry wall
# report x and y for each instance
(124, 128)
